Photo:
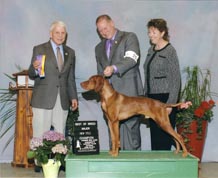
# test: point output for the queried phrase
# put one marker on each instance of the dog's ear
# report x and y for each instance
(99, 83)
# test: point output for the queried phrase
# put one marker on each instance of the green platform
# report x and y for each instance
(134, 164)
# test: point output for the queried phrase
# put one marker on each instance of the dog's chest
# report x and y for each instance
(103, 105)
(106, 107)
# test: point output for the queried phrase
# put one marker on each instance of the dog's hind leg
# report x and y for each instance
(177, 146)
(167, 128)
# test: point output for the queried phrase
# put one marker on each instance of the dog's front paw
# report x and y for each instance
(176, 151)
(113, 153)
(110, 152)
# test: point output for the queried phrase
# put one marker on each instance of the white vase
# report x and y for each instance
(51, 169)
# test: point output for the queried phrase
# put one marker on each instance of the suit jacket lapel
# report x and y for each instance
(115, 44)
(66, 55)
(51, 53)
(105, 58)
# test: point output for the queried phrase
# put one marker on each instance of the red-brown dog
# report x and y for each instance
(117, 107)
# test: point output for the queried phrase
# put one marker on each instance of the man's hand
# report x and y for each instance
(36, 64)
(185, 105)
(74, 104)
(169, 110)
(108, 71)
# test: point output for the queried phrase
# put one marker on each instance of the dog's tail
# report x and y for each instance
(182, 105)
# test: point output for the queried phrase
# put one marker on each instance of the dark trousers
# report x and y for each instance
(160, 140)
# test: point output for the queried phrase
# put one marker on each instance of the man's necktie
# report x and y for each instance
(60, 59)
(108, 47)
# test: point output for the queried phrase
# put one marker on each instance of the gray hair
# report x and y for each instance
(58, 23)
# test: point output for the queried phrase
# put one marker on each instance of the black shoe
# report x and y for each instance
(37, 169)
(62, 168)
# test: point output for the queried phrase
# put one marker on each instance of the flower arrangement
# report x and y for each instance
(52, 145)
(196, 90)
(204, 111)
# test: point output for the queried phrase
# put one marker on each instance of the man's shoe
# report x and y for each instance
(62, 168)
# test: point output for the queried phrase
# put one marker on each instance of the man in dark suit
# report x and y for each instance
(117, 57)
(55, 91)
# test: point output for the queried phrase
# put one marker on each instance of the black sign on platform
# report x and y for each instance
(85, 138)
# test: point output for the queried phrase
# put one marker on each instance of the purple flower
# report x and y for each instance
(35, 143)
(53, 136)
(51, 145)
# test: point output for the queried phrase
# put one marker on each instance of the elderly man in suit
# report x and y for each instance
(117, 57)
(55, 91)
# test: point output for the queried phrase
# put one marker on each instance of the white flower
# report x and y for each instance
(59, 148)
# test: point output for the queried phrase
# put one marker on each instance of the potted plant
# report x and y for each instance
(49, 151)
(8, 100)
(69, 130)
(192, 122)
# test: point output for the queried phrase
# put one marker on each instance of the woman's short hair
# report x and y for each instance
(161, 25)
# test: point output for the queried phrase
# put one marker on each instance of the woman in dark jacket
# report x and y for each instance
(162, 78)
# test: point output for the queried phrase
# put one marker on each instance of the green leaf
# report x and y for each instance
(31, 154)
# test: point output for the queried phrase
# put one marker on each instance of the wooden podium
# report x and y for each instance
(23, 125)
